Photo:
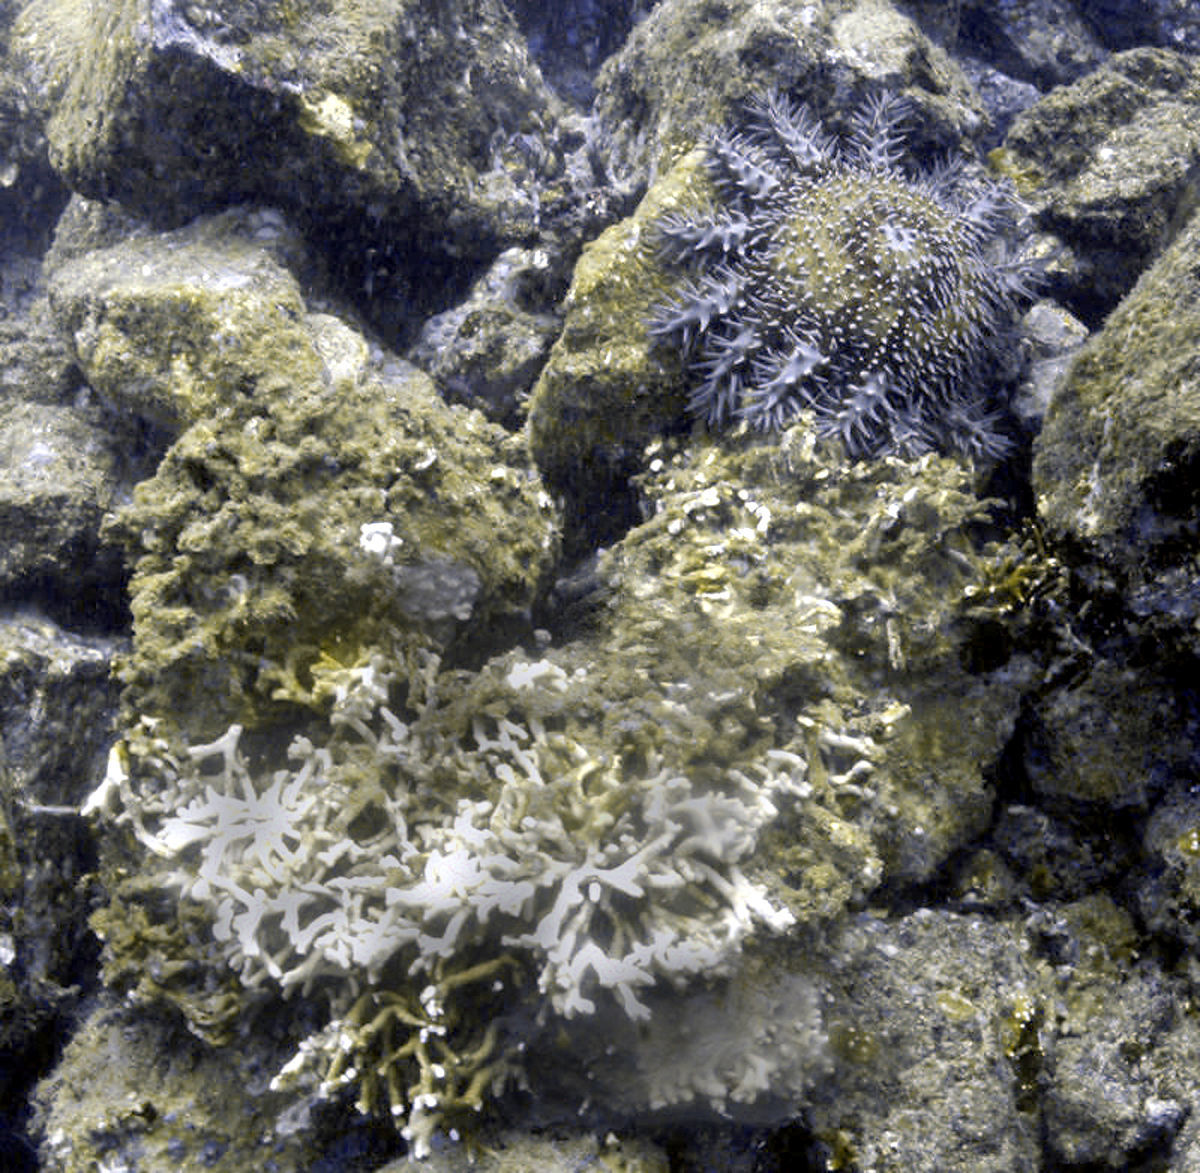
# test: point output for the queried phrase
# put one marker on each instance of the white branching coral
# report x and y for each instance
(351, 870)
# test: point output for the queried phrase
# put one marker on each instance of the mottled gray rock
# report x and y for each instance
(1047, 42)
(1051, 857)
(1110, 165)
(58, 475)
(56, 706)
(1115, 737)
(1116, 465)
(487, 351)
(931, 1018)
(1174, 24)
(56, 700)
(1119, 1077)
(136, 1091)
(36, 365)
(1053, 336)
(1168, 887)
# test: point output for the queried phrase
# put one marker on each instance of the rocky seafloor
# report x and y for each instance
(429, 731)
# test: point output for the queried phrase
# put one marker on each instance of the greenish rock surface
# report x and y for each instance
(317, 501)
(135, 1090)
(183, 325)
(331, 520)
(404, 106)
(687, 66)
(602, 396)
(1115, 466)
(1111, 165)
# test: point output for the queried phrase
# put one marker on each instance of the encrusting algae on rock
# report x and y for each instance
(433, 886)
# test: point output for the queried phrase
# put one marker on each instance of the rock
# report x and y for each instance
(1120, 1073)
(1053, 336)
(931, 1017)
(1109, 165)
(1047, 43)
(59, 474)
(1115, 467)
(57, 701)
(1116, 737)
(687, 67)
(487, 351)
(177, 326)
(36, 364)
(332, 518)
(1125, 23)
(1168, 886)
(395, 110)
(137, 1089)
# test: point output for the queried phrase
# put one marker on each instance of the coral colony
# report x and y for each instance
(598, 882)
(828, 278)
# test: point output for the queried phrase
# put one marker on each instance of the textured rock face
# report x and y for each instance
(1109, 165)
(821, 809)
(1115, 466)
(343, 499)
(329, 105)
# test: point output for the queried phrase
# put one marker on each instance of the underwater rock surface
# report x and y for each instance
(436, 721)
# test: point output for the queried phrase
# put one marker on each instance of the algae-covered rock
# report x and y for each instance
(324, 521)
(602, 396)
(136, 1091)
(1110, 164)
(317, 502)
(687, 66)
(1115, 468)
(934, 1023)
(176, 326)
(59, 474)
(385, 109)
